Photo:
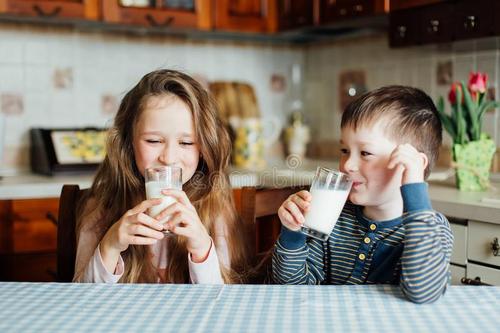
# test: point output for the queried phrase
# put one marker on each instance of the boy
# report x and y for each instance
(387, 232)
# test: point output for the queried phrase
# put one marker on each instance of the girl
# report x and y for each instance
(168, 118)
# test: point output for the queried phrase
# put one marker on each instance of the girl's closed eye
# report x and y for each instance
(153, 141)
(364, 153)
(186, 143)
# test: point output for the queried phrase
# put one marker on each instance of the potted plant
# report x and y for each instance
(472, 150)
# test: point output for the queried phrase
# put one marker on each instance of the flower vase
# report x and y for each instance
(472, 162)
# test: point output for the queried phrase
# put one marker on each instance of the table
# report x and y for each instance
(56, 307)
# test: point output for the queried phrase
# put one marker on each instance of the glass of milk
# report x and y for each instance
(329, 190)
(157, 179)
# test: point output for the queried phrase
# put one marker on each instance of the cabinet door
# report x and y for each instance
(457, 273)
(403, 28)
(404, 4)
(161, 14)
(481, 244)
(487, 275)
(436, 23)
(294, 14)
(83, 9)
(244, 15)
(473, 19)
(336, 10)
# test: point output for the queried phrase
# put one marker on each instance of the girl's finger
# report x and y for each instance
(149, 221)
(143, 206)
(179, 195)
(144, 231)
(140, 240)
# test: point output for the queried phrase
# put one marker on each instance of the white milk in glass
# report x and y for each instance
(325, 209)
(153, 190)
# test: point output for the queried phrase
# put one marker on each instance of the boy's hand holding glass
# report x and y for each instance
(410, 163)
(292, 211)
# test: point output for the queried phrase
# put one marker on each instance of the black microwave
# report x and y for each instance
(56, 151)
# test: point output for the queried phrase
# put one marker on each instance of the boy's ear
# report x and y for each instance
(425, 160)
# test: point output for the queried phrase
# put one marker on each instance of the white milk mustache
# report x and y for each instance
(326, 206)
(153, 190)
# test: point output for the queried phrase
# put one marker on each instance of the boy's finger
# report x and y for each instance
(294, 210)
(305, 195)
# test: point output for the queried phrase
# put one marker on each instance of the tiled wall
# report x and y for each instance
(62, 78)
(416, 66)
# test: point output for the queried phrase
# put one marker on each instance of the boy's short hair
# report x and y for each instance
(410, 114)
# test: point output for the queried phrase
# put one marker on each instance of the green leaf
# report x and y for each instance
(483, 108)
(471, 115)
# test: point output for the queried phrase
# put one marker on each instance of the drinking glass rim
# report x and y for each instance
(162, 167)
(329, 170)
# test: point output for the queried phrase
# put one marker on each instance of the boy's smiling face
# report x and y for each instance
(365, 154)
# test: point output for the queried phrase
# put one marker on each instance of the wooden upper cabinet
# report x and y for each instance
(245, 15)
(404, 4)
(161, 13)
(292, 14)
(83, 9)
(337, 10)
(474, 18)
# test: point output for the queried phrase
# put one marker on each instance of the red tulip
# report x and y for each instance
(452, 95)
(477, 83)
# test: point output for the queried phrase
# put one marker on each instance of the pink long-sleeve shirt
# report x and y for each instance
(89, 266)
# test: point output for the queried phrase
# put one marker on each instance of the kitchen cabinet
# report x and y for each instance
(405, 4)
(336, 10)
(292, 14)
(161, 14)
(476, 252)
(83, 9)
(244, 15)
(473, 19)
(28, 239)
(443, 21)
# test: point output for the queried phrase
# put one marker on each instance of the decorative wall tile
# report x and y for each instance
(109, 104)
(63, 78)
(11, 104)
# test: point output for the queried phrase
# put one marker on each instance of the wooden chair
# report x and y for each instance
(66, 235)
(258, 209)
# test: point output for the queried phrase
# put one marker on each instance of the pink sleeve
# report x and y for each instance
(208, 271)
(95, 271)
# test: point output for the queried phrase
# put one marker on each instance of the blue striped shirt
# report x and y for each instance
(413, 250)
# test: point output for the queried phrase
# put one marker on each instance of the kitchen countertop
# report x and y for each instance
(482, 206)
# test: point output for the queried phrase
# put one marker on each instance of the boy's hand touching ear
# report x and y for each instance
(292, 210)
(409, 162)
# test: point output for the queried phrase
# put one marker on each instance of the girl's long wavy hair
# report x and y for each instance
(119, 185)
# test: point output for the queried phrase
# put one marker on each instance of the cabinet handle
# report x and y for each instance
(495, 247)
(401, 31)
(358, 8)
(153, 22)
(470, 23)
(51, 217)
(473, 282)
(433, 27)
(53, 13)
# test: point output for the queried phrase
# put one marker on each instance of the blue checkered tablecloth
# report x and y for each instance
(53, 307)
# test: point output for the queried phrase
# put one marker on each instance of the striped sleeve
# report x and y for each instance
(427, 247)
(296, 261)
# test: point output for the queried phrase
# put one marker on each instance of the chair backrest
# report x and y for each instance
(258, 209)
(66, 234)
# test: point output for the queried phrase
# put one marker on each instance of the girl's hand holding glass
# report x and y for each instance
(134, 227)
(184, 221)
